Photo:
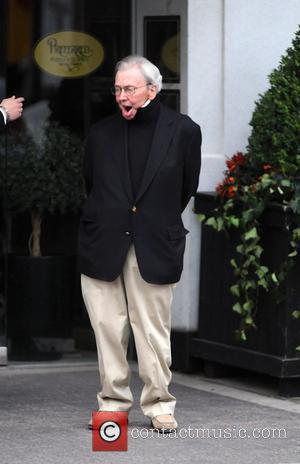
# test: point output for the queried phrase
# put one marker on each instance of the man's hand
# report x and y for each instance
(13, 106)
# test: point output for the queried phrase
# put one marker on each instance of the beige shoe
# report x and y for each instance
(164, 423)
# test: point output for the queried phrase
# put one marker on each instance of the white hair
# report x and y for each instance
(149, 70)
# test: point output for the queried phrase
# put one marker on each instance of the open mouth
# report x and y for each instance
(128, 111)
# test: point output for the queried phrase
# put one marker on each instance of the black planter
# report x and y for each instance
(40, 297)
(269, 349)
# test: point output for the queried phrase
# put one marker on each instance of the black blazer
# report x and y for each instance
(112, 218)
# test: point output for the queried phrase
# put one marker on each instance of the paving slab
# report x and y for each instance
(45, 408)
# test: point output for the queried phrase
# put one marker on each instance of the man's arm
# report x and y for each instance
(192, 166)
(10, 109)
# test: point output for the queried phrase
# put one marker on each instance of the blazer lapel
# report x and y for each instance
(165, 128)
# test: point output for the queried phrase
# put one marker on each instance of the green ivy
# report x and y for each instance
(268, 172)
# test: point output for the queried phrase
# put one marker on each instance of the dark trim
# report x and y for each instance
(276, 366)
(181, 351)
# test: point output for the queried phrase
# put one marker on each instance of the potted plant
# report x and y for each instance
(43, 178)
(256, 213)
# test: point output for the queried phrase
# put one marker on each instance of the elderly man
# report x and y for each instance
(141, 168)
(10, 109)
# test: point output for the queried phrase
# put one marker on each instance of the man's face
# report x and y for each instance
(129, 104)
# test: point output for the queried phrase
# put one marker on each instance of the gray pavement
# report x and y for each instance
(45, 408)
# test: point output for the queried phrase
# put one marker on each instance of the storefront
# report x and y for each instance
(60, 55)
(214, 55)
(120, 27)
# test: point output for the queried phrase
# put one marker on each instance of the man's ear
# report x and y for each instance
(152, 91)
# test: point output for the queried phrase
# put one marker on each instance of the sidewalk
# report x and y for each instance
(45, 408)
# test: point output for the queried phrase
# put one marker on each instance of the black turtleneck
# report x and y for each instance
(140, 134)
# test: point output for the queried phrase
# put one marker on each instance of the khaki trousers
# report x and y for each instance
(115, 306)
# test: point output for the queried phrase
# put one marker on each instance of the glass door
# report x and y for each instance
(72, 101)
(160, 35)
